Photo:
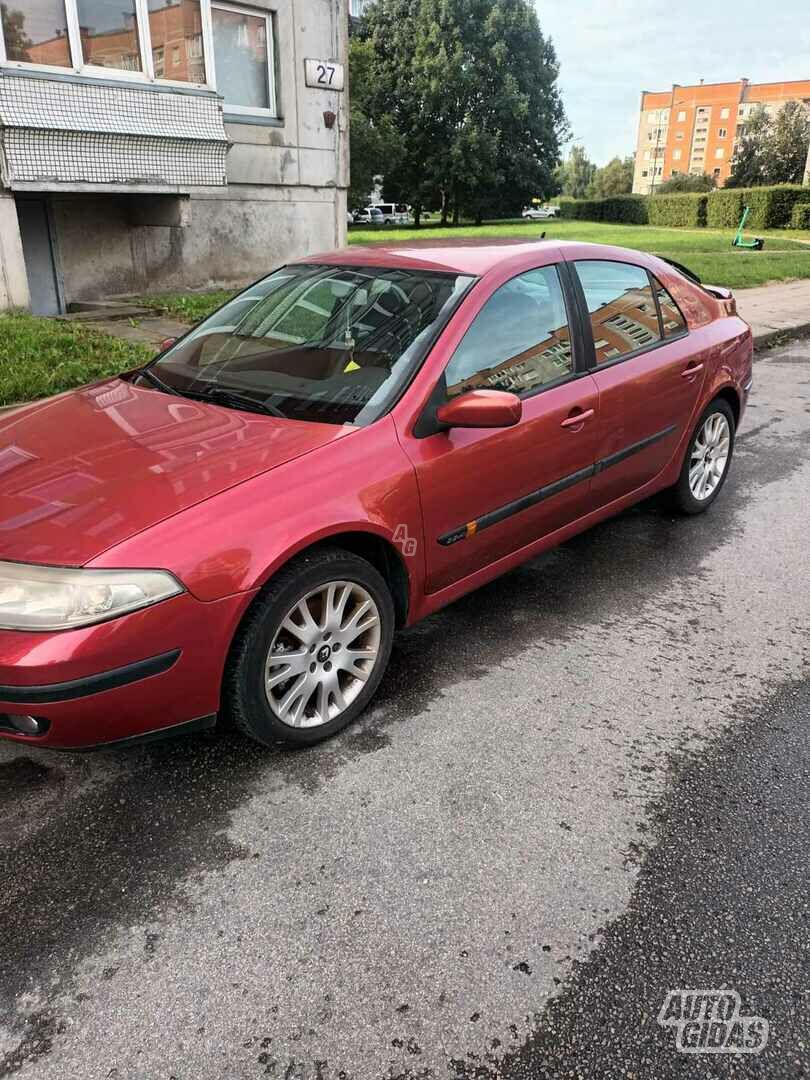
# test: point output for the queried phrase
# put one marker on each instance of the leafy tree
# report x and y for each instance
(470, 86)
(686, 182)
(576, 173)
(17, 41)
(374, 142)
(615, 178)
(772, 149)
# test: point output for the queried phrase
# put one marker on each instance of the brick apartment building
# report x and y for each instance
(694, 129)
(150, 144)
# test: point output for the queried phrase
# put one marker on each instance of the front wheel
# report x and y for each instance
(707, 461)
(312, 650)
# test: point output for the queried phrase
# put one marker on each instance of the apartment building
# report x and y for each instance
(695, 128)
(151, 144)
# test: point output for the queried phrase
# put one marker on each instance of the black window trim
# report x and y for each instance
(586, 327)
(657, 284)
(427, 424)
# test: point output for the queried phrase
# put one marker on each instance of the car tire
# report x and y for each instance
(710, 451)
(258, 655)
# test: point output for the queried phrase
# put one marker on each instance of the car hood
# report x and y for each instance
(83, 471)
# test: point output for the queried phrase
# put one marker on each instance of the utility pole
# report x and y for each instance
(806, 180)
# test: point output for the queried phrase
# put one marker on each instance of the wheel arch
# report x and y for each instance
(729, 394)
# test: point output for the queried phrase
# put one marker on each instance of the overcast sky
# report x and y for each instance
(611, 50)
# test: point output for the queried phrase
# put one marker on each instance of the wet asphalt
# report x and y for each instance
(582, 787)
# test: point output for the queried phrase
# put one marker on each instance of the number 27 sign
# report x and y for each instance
(324, 74)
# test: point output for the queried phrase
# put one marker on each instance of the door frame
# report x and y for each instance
(53, 244)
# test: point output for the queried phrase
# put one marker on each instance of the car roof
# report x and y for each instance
(475, 257)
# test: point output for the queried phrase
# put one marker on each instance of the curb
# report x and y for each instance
(788, 333)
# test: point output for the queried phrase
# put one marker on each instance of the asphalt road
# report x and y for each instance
(583, 787)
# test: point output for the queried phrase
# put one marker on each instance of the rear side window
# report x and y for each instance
(674, 322)
(519, 340)
(621, 306)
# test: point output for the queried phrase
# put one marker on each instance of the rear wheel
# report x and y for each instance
(312, 650)
(707, 461)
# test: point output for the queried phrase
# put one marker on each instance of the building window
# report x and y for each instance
(720, 152)
(176, 28)
(243, 58)
(679, 135)
(722, 133)
(109, 34)
(724, 114)
(644, 172)
(677, 154)
(38, 34)
(681, 116)
(716, 173)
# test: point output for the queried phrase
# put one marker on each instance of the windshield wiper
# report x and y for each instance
(150, 376)
(236, 400)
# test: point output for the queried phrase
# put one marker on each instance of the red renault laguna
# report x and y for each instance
(353, 442)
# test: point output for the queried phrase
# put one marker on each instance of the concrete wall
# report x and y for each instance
(13, 281)
(285, 193)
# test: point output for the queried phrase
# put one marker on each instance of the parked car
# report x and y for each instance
(395, 213)
(539, 213)
(370, 216)
(349, 217)
(238, 528)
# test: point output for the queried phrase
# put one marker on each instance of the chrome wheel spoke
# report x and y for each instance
(324, 651)
(709, 456)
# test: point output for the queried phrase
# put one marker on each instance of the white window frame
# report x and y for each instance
(256, 13)
(147, 74)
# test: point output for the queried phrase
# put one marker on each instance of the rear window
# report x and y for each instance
(671, 317)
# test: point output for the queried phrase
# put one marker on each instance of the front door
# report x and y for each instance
(486, 493)
(647, 373)
(40, 267)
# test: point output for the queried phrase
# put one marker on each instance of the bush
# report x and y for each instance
(686, 211)
(800, 219)
(625, 209)
(772, 207)
(724, 208)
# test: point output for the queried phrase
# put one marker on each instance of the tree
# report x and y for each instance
(470, 86)
(615, 178)
(772, 150)
(17, 41)
(374, 143)
(575, 175)
(685, 182)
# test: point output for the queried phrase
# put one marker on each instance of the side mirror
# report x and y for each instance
(481, 409)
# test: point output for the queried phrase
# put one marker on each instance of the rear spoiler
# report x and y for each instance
(718, 292)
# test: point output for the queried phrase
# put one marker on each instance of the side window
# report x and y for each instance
(519, 340)
(622, 308)
(674, 322)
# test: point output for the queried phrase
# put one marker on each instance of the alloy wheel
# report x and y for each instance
(709, 457)
(322, 654)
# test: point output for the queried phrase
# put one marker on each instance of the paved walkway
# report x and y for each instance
(773, 310)
(149, 331)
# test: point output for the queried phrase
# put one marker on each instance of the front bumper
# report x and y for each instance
(134, 676)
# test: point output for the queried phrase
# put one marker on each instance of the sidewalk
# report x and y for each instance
(774, 310)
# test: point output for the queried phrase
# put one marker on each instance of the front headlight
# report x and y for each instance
(59, 598)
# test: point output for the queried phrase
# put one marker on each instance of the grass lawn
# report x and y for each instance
(190, 307)
(706, 251)
(39, 357)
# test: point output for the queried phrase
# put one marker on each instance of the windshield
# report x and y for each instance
(335, 344)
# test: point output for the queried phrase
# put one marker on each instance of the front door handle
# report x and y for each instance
(693, 369)
(577, 418)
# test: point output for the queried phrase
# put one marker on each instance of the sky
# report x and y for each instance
(611, 50)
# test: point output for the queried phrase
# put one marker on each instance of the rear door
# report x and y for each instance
(486, 493)
(647, 375)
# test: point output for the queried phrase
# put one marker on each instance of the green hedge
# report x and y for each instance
(724, 208)
(800, 218)
(687, 211)
(771, 208)
(627, 209)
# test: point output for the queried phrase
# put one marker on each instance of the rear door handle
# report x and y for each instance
(693, 369)
(575, 419)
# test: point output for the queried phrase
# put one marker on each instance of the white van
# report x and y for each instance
(395, 213)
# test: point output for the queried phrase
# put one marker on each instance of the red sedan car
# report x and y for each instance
(353, 442)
